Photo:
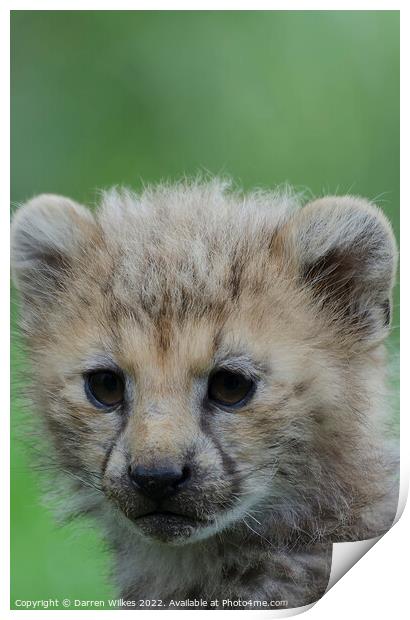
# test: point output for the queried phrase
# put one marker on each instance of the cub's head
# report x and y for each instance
(204, 360)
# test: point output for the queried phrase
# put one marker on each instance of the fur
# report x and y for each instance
(168, 285)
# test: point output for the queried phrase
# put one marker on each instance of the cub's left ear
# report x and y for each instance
(345, 253)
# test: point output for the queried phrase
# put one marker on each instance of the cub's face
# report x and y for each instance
(194, 372)
(188, 436)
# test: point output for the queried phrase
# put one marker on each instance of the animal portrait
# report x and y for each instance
(208, 375)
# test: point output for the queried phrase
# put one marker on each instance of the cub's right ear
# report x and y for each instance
(47, 234)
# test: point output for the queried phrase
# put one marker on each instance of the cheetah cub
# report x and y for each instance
(208, 368)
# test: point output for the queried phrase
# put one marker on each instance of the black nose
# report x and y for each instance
(159, 482)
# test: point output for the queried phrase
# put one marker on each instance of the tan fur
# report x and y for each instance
(179, 280)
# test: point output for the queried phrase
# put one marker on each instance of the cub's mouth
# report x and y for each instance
(171, 520)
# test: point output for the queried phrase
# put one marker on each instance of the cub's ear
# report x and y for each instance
(345, 254)
(47, 234)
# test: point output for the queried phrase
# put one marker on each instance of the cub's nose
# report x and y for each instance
(159, 482)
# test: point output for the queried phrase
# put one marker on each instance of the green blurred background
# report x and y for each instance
(102, 98)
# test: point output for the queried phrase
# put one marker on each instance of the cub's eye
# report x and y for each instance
(104, 388)
(230, 388)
